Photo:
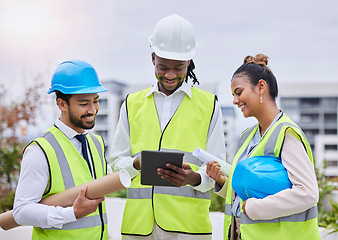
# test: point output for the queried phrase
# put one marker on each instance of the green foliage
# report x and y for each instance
(217, 202)
(119, 194)
(6, 203)
(9, 163)
(324, 185)
(327, 219)
(14, 119)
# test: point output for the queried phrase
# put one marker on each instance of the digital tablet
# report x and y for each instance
(152, 160)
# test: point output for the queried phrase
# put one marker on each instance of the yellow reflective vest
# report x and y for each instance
(300, 226)
(175, 209)
(68, 169)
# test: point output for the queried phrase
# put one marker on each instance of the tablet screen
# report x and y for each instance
(152, 160)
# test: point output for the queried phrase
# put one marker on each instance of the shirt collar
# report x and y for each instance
(66, 130)
(185, 87)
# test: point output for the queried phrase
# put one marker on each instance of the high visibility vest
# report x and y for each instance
(68, 169)
(175, 209)
(300, 226)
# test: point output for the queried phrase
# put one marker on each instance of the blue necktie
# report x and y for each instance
(82, 139)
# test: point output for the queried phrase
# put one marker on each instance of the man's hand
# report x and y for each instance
(181, 177)
(214, 171)
(84, 206)
(137, 163)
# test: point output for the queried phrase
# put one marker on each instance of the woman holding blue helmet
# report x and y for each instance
(287, 214)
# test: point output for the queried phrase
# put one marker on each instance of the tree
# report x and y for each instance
(14, 119)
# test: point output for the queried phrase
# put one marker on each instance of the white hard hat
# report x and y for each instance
(173, 38)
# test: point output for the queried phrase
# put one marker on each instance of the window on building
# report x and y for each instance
(331, 131)
(331, 147)
(101, 119)
(330, 117)
(289, 103)
(332, 163)
(309, 102)
(309, 118)
(330, 103)
(103, 103)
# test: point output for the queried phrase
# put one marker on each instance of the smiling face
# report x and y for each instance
(169, 73)
(80, 113)
(246, 96)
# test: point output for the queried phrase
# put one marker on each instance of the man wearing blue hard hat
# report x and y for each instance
(64, 156)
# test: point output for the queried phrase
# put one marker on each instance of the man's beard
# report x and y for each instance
(79, 123)
(170, 90)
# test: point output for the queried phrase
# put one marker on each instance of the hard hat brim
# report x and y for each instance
(174, 55)
(75, 90)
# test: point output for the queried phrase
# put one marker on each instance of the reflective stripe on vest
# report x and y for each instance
(270, 145)
(85, 222)
(187, 130)
(61, 158)
(298, 217)
(62, 178)
(185, 191)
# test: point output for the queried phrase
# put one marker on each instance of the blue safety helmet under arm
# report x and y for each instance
(259, 176)
(76, 77)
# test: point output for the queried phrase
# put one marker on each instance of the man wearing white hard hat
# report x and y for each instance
(172, 115)
(64, 156)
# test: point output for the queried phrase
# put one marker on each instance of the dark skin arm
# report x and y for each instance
(181, 177)
(137, 163)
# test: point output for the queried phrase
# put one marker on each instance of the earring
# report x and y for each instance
(260, 99)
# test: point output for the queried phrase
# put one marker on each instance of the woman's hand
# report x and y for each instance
(214, 171)
(243, 207)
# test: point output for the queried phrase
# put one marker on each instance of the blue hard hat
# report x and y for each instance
(259, 177)
(76, 77)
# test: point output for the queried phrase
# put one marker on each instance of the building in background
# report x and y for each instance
(326, 148)
(314, 107)
(108, 115)
(229, 129)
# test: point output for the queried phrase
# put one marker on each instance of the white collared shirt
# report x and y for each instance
(34, 178)
(166, 107)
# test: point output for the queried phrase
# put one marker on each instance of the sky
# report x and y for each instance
(300, 37)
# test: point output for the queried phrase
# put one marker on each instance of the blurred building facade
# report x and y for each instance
(314, 107)
(229, 130)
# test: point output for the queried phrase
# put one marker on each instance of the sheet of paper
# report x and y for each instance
(207, 157)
